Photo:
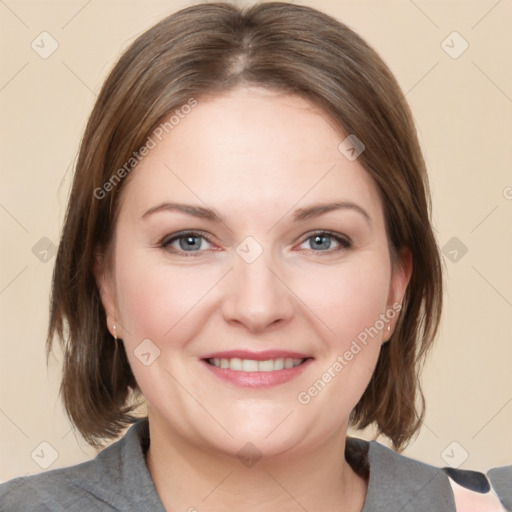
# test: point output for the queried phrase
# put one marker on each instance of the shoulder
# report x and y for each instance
(104, 483)
(56, 490)
(397, 482)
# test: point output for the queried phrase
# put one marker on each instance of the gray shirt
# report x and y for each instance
(117, 479)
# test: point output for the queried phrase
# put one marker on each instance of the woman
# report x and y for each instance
(248, 249)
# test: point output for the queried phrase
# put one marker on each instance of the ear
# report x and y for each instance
(106, 287)
(400, 277)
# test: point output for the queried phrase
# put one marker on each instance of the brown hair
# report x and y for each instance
(210, 48)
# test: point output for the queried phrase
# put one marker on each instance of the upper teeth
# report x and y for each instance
(250, 365)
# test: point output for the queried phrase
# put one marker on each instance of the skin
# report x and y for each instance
(255, 156)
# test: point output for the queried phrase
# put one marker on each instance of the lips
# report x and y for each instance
(256, 369)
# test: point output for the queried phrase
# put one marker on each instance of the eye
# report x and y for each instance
(194, 242)
(185, 242)
(322, 242)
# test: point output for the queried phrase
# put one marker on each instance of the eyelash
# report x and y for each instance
(344, 242)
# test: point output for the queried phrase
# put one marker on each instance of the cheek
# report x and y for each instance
(351, 305)
(164, 304)
(349, 298)
(156, 299)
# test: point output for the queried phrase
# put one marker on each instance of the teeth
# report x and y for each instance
(250, 365)
(235, 364)
(266, 366)
(288, 363)
(279, 363)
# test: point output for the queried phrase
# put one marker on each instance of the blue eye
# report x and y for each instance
(322, 242)
(187, 242)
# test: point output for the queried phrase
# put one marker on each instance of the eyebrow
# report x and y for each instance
(188, 209)
(315, 210)
(301, 214)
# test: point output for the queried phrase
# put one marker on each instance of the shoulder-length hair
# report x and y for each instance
(207, 49)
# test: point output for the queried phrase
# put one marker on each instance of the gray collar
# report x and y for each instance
(396, 483)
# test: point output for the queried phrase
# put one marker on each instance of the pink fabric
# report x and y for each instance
(471, 501)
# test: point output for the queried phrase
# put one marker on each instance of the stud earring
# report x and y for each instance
(114, 328)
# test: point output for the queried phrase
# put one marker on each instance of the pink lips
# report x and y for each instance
(257, 356)
(257, 379)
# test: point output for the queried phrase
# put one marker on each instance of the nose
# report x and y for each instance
(257, 297)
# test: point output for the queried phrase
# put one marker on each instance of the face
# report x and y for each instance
(251, 280)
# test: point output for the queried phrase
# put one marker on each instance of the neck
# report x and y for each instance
(191, 478)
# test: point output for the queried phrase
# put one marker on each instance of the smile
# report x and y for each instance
(251, 365)
(243, 368)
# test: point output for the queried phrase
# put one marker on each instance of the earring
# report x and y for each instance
(114, 328)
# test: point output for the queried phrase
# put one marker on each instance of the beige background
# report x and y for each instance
(463, 108)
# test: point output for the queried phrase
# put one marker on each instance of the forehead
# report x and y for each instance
(250, 148)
